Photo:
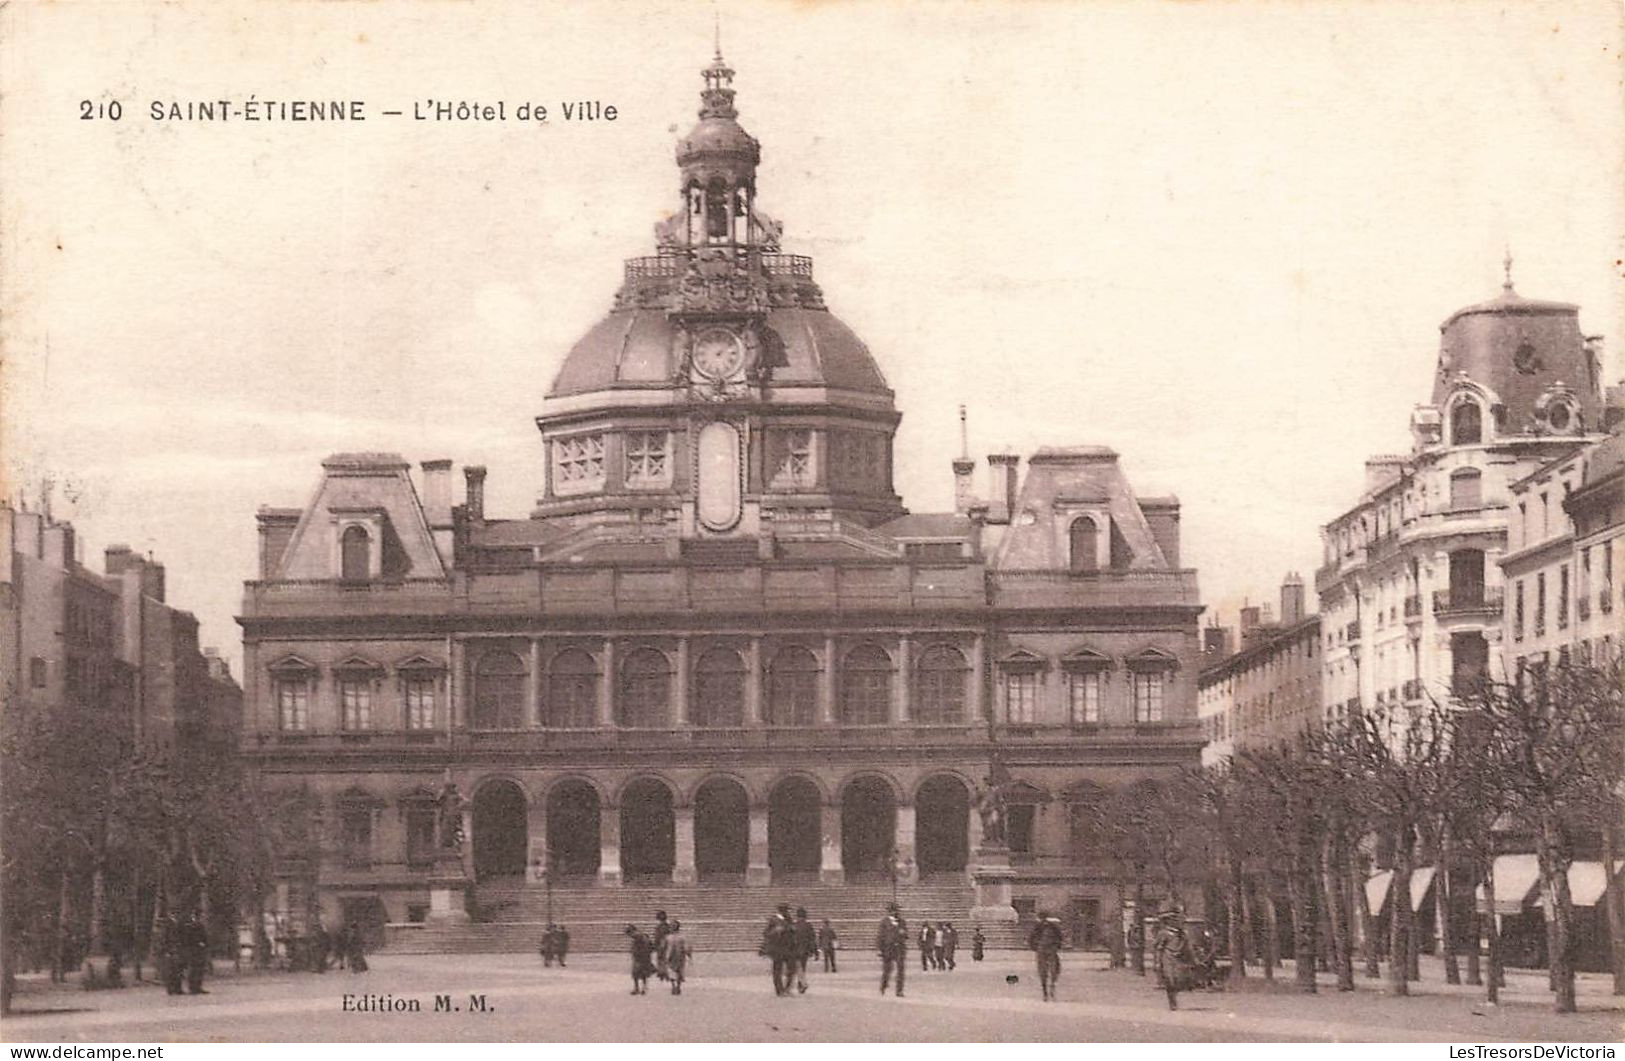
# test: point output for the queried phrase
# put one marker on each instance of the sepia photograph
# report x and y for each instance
(766, 521)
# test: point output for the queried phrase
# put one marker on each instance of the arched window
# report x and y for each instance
(719, 689)
(716, 211)
(1466, 488)
(1466, 423)
(572, 691)
(940, 693)
(645, 701)
(499, 692)
(355, 549)
(1081, 539)
(792, 688)
(866, 687)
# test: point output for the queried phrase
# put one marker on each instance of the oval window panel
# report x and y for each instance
(719, 476)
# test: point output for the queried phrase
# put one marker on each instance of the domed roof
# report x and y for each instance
(633, 348)
(714, 137)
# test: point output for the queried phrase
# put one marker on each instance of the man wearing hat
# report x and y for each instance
(1046, 940)
(779, 946)
(642, 965)
(662, 926)
(892, 942)
(1174, 959)
(674, 954)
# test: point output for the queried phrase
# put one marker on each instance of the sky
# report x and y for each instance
(1219, 238)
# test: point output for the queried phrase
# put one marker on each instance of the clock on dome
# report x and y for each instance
(718, 354)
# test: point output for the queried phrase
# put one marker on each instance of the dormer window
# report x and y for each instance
(1083, 542)
(578, 464)
(1466, 423)
(355, 554)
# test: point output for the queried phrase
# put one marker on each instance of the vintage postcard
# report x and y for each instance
(767, 521)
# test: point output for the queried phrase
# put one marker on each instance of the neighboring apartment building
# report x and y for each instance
(75, 638)
(1268, 691)
(719, 655)
(1565, 538)
(1411, 590)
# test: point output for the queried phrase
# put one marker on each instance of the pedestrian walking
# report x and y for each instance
(355, 949)
(1046, 940)
(341, 946)
(928, 936)
(643, 965)
(195, 953)
(806, 947)
(169, 955)
(546, 947)
(662, 927)
(320, 944)
(561, 944)
(948, 938)
(892, 942)
(677, 956)
(978, 944)
(1174, 960)
(778, 946)
(826, 944)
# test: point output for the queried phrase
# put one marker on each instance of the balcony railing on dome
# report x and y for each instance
(672, 266)
(1467, 601)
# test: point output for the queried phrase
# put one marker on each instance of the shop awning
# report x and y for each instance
(1515, 877)
(1587, 882)
(1421, 880)
(1376, 891)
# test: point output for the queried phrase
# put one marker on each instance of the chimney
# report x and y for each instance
(963, 498)
(1003, 506)
(1216, 641)
(474, 505)
(152, 580)
(437, 492)
(276, 527)
(59, 548)
(1251, 619)
(115, 558)
(1292, 599)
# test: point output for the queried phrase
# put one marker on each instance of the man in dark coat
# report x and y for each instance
(549, 944)
(1173, 956)
(806, 947)
(169, 953)
(643, 965)
(194, 953)
(355, 948)
(561, 944)
(320, 945)
(948, 939)
(1046, 940)
(826, 944)
(779, 947)
(891, 940)
(978, 944)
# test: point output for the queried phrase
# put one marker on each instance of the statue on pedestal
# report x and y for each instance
(452, 805)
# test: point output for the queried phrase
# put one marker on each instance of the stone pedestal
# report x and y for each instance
(448, 889)
(991, 874)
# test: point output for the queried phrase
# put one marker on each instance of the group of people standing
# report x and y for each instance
(666, 955)
(938, 943)
(185, 951)
(555, 944)
(790, 943)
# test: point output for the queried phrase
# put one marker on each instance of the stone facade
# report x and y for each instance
(719, 649)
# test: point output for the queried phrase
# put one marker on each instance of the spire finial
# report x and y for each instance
(717, 98)
(717, 32)
(964, 439)
(1506, 269)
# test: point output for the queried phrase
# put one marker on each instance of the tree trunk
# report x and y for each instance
(1554, 871)
(1413, 955)
(1399, 915)
(1272, 929)
(1492, 983)
(1301, 892)
(1118, 958)
(1237, 909)
(1369, 950)
(64, 913)
(1444, 906)
(1613, 898)
(1335, 883)
(1137, 930)
(1249, 927)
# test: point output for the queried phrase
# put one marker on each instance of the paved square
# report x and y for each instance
(730, 999)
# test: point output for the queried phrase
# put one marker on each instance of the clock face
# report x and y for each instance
(718, 353)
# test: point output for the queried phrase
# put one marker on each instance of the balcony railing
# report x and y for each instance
(790, 738)
(1460, 602)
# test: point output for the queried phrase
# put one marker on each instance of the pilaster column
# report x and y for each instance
(758, 870)
(683, 870)
(609, 846)
(977, 702)
(533, 692)
(908, 870)
(606, 695)
(753, 685)
(902, 689)
(830, 869)
(826, 686)
(680, 699)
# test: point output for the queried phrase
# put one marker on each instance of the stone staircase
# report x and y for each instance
(511, 914)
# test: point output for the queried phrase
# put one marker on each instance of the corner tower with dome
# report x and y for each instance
(718, 665)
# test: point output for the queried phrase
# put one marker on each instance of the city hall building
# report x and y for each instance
(719, 664)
